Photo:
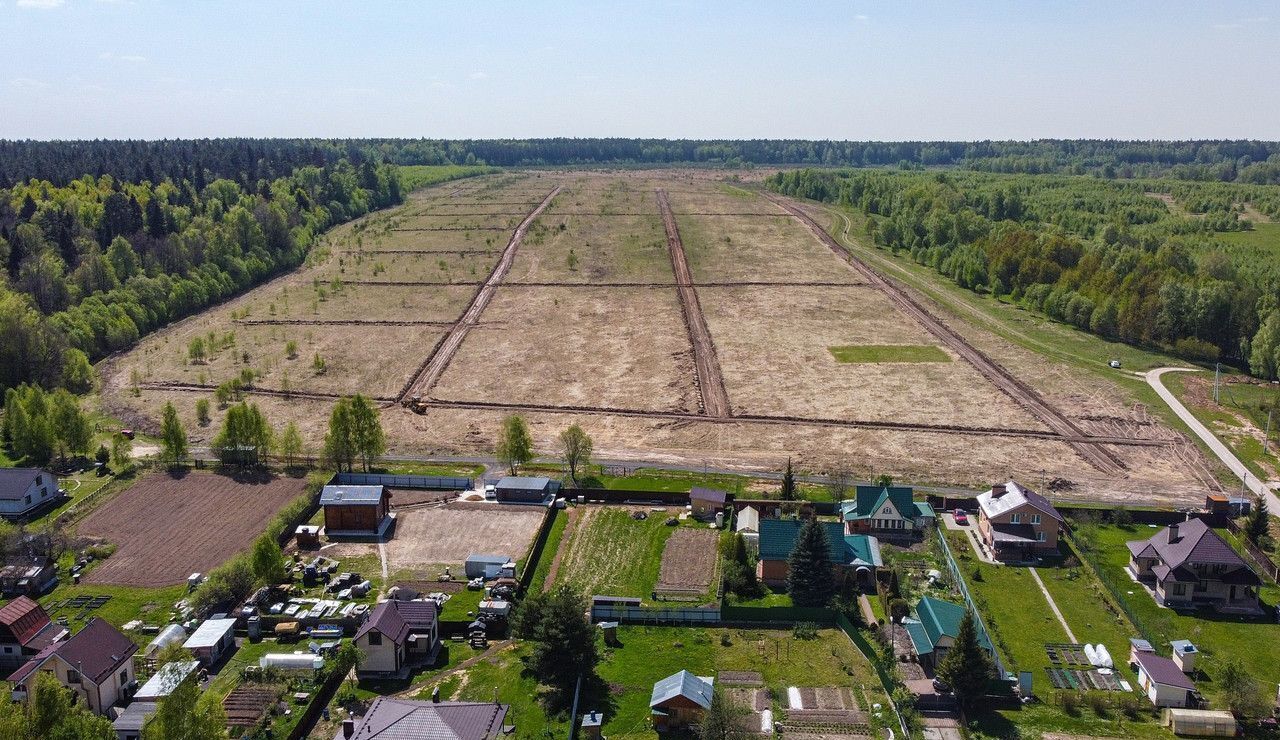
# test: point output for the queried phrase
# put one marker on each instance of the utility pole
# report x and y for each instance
(1266, 437)
(1217, 374)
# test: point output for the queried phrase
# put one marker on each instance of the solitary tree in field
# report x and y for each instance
(788, 483)
(810, 578)
(966, 666)
(515, 445)
(339, 442)
(244, 428)
(1244, 695)
(202, 412)
(173, 438)
(290, 444)
(366, 430)
(576, 449)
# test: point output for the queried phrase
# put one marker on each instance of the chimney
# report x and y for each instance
(997, 490)
(1173, 533)
(348, 727)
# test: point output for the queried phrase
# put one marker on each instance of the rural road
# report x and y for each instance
(1224, 453)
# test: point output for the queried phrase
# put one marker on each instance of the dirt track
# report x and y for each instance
(1097, 456)
(443, 353)
(715, 400)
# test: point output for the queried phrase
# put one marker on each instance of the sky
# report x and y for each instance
(815, 70)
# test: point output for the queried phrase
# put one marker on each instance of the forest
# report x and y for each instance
(246, 161)
(92, 265)
(1144, 262)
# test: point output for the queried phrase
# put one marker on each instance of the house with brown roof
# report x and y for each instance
(398, 636)
(1188, 564)
(1163, 681)
(1015, 523)
(404, 719)
(95, 663)
(25, 630)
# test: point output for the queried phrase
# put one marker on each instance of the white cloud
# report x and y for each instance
(478, 76)
(41, 4)
(860, 17)
(28, 83)
(131, 58)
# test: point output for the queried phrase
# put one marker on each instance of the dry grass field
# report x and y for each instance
(447, 535)
(602, 340)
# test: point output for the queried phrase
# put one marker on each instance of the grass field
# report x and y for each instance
(889, 353)
(611, 554)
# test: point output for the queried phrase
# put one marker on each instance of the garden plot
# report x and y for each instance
(591, 347)
(774, 350)
(608, 552)
(776, 249)
(448, 534)
(688, 563)
(586, 248)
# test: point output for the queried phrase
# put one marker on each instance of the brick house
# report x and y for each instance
(852, 555)
(1189, 564)
(1016, 523)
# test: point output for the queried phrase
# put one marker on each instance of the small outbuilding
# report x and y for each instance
(212, 640)
(173, 633)
(705, 503)
(679, 701)
(748, 525)
(166, 680)
(307, 536)
(356, 510)
(526, 490)
(488, 566)
(1163, 681)
(128, 724)
(1201, 722)
(1184, 654)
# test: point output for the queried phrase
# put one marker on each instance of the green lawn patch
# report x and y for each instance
(610, 553)
(549, 551)
(127, 603)
(889, 353)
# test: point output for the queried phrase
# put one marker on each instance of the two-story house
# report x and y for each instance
(397, 636)
(95, 663)
(1188, 564)
(23, 490)
(25, 630)
(888, 512)
(1016, 523)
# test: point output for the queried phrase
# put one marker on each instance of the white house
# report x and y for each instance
(1163, 681)
(23, 490)
(397, 636)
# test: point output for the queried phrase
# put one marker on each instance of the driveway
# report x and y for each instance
(1228, 458)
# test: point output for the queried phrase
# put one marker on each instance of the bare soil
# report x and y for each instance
(167, 528)
(449, 534)
(688, 560)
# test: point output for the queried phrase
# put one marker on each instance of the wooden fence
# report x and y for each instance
(1261, 560)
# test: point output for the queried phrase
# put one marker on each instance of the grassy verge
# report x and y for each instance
(888, 353)
(549, 550)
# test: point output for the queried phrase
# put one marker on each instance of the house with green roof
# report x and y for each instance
(886, 512)
(934, 628)
(854, 556)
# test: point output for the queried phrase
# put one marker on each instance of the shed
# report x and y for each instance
(308, 536)
(1201, 722)
(356, 510)
(1184, 654)
(211, 640)
(128, 724)
(591, 724)
(679, 701)
(525, 490)
(1163, 681)
(166, 680)
(706, 502)
(1137, 645)
(488, 566)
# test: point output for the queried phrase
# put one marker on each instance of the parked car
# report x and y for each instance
(962, 518)
(941, 686)
(491, 492)
(1115, 364)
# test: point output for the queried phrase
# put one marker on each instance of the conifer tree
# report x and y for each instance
(810, 576)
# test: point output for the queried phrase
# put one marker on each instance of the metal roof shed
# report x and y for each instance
(351, 495)
(212, 639)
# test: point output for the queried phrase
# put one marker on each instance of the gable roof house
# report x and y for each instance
(1163, 681)
(397, 636)
(25, 630)
(1188, 564)
(851, 554)
(25, 490)
(404, 719)
(706, 502)
(935, 627)
(679, 700)
(356, 511)
(885, 511)
(96, 663)
(1016, 523)
(30, 575)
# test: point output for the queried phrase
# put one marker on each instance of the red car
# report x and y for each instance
(961, 517)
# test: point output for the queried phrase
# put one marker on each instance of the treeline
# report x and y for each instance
(246, 161)
(1108, 257)
(90, 266)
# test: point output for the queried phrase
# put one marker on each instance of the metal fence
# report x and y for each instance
(1261, 560)
(958, 577)
(427, 482)
(706, 615)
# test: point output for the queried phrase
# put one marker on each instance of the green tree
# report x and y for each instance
(339, 442)
(366, 430)
(739, 575)
(788, 492)
(290, 444)
(77, 373)
(1258, 524)
(725, 719)
(202, 412)
(267, 560)
(575, 448)
(124, 261)
(187, 714)
(50, 714)
(173, 438)
(244, 428)
(121, 453)
(810, 574)
(70, 424)
(195, 351)
(1244, 695)
(515, 445)
(966, 667)
(564, 643)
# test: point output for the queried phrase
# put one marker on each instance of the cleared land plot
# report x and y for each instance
(773, 349)
(611, 554)
(888, 353)
(448, 534)
(445, 267)
(167, 528)
(605, 196)
(437, 241)
(593, 249)
(752, 248)
(724, 198)
(363, 303)
(374, 360)
(688, 561)
(597, 347)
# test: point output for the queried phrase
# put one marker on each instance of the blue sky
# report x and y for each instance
(844, 70)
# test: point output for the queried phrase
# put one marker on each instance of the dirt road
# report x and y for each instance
(1096, 455)
(442, 355)
(710, 381)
